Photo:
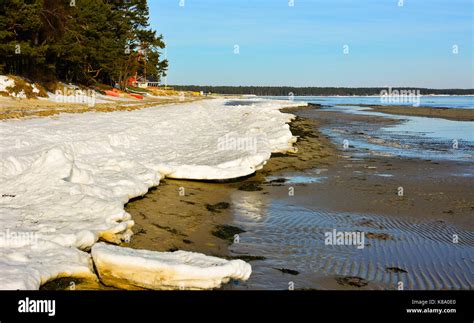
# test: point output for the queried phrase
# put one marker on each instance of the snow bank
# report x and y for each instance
(6, 82)
(131, 268)
(65, 180)
(28, 268)
(73, 94)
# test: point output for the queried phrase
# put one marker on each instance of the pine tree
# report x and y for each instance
(82, 41)
(21, 48)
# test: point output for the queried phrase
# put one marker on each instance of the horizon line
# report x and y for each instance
(325, 87)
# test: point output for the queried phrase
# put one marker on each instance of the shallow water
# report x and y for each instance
(413, 137)
(293, 237)
(464, 102)
(304, 178)
(408, 145)
(435, 128)
(398, 252)
(419, 253)
(239, 102)
(384, 175)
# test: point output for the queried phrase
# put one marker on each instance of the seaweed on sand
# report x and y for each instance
(250, 187)
(226, 232)
(352, 281)
(217, 207)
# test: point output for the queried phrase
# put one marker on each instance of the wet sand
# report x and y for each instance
(180, 214)
(191, 215)
(354, 194)
(408, 238)
(433, 189)
(456, 114)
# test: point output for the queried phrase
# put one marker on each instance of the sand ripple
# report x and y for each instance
(421, 255)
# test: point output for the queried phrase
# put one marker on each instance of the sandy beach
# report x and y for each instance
(356, 191)
(439, 112)
(82, 168)
(183, 154)
(333, 188)
(23, 108)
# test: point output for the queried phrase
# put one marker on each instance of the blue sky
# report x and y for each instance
(303, 45)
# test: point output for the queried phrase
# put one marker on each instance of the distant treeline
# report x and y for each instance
(312, 91)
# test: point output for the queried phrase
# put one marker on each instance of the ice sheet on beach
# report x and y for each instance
(30, 266)
(64, 180)
(131, 268)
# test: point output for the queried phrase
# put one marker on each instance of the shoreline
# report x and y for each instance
(383, 215)
(209, 230)
(148, 168)
(168, 230)
(210, 206)
(455, 114)
(420, 173)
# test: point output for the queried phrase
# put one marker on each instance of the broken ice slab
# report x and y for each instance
(128, 268)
